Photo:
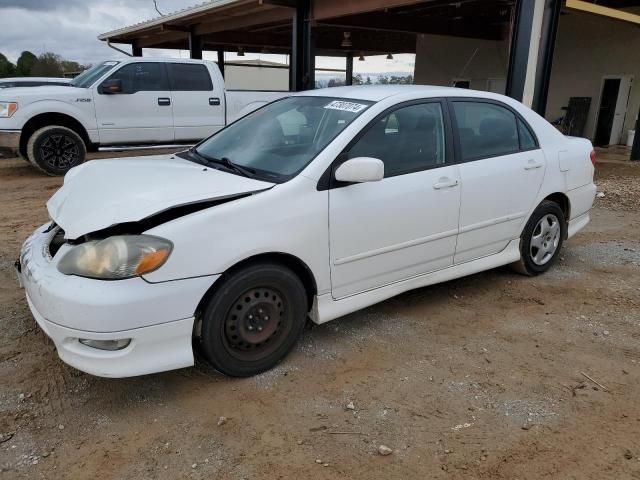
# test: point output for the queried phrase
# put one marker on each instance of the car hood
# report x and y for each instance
(42, 92)
(103, 193)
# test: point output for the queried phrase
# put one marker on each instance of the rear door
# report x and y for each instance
(501, 171)
(198, 104)
(141, 113)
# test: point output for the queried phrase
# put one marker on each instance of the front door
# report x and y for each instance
(406, 224)
(501, 171)
(142, 112)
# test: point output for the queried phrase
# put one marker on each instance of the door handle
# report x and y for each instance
(214, 101)
(164, 101)
(445, 182)
(532, 165)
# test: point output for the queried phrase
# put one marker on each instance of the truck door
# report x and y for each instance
(198, 103)
(141, 112)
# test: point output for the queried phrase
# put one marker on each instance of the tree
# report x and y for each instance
(48, 65)
(69, 66)
(25, 64)
(7, 69)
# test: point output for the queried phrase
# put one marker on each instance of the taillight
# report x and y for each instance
(592, 155)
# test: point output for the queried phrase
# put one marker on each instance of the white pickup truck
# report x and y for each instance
(137, 101)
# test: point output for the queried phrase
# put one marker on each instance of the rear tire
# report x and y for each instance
(55, 149)
(541, 239)
(253, 319)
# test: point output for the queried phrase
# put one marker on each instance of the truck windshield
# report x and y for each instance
(89, 76)
(280, 139)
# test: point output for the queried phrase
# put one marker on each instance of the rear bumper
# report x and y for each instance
(9, 141)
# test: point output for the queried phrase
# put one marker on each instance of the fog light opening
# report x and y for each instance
(106, 344)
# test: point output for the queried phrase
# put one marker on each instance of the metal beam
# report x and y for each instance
(302, 48)
(195, 46)
(136, 50)
(349, 71)
(221, 61)
(338, 8)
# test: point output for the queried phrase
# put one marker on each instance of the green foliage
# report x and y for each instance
(7, 69)
(48, 65)
(25, 64)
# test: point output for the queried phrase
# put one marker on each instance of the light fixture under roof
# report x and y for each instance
(240, 52)
(361, 59)
(389, 57)
(346, 41)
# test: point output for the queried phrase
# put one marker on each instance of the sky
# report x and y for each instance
(70, 27)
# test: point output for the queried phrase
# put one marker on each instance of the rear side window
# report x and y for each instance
(189, 77)
(485, 130)
(527, 141)
(142, 77)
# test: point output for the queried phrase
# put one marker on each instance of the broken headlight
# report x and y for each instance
(115, 258)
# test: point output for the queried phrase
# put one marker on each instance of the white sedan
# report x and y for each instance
(314, 206)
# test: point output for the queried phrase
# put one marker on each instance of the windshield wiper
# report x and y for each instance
(225, 162)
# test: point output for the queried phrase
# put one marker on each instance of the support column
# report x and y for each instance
(534, 29)
(135, 50)
(635, 149)
(302, 69)
(221, 62)
(349, 70)
(195, 46)
(550, 21)
(522, 37)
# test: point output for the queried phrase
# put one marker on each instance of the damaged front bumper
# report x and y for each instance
(156, 318)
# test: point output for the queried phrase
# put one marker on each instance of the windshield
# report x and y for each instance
(280, 139)
(89, 76)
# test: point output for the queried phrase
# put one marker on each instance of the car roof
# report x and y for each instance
(376, 93)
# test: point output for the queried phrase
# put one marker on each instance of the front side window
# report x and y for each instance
(88, 77)
(141, 77)
(407, 140)
(485, 130)
(187, 77)
(280, 139)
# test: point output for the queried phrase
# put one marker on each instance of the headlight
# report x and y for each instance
(118, 257)
(7, 109)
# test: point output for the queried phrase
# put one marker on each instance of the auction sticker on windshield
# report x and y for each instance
(346, 106)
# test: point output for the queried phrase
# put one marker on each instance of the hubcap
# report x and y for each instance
(255, 320)
(59, 151)
(545, 239)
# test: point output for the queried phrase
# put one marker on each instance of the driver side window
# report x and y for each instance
(407, 140)
(142, 77)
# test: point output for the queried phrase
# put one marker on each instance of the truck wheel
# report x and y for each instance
(55, 149)
(541, 239)
(253, 320)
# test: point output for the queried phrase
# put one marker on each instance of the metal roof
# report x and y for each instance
(177, 15)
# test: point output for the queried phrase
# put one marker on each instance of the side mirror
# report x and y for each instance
(111, 86)
(360, 170)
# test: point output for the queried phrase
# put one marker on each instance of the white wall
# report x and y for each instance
(440, 59)
(587, 48)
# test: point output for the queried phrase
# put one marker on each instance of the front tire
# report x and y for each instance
(253, 320)
(55, 149)
(541, 239)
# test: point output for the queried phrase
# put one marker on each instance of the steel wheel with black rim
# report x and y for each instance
(541, 239)
(56, 149)
(253, 319)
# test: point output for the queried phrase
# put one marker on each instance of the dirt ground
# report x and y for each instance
(482, 377)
